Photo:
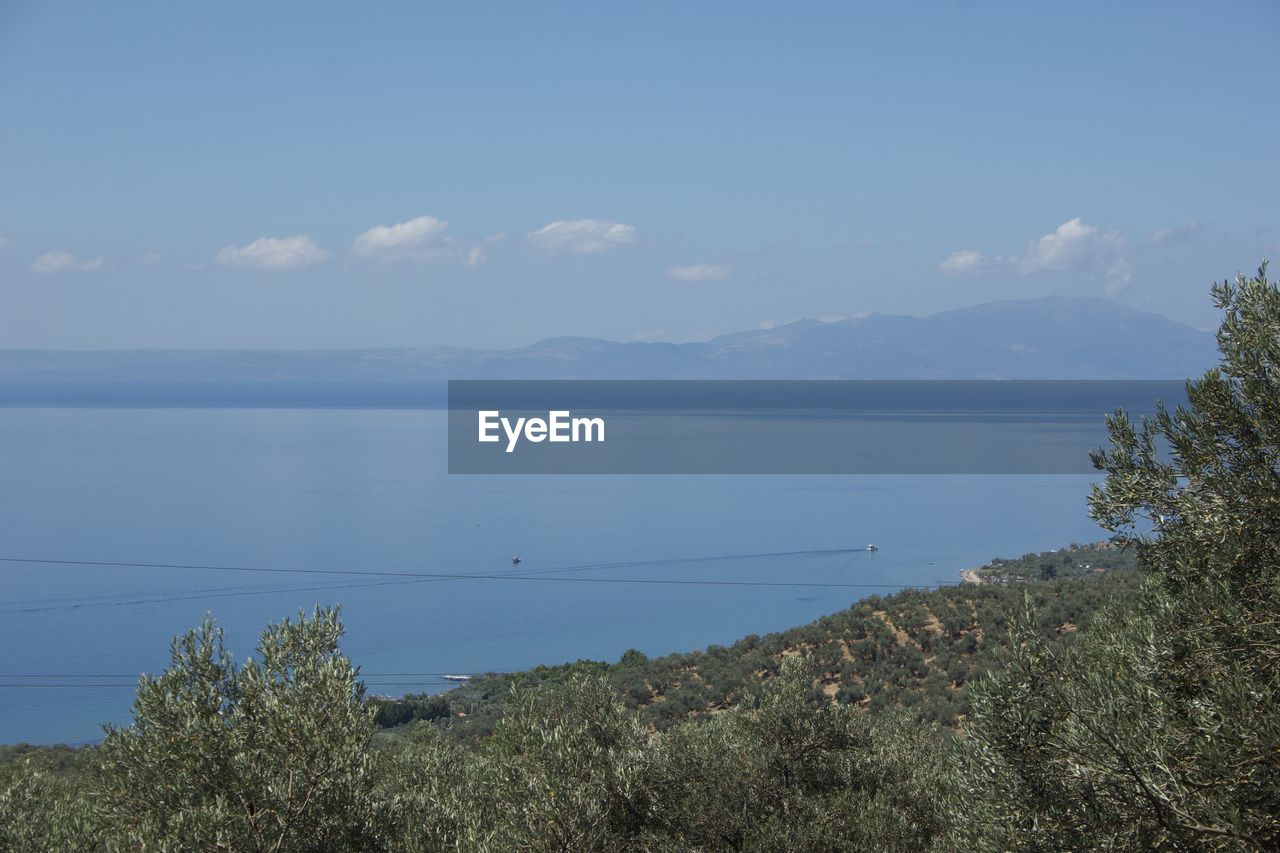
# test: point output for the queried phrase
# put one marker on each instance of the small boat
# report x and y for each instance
(457, 678)
(873, 547)
(515, 561)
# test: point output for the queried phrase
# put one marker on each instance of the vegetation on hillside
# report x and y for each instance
(1073, 561)
(917, 650)
(1156, 725)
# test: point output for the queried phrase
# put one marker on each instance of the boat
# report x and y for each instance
(873, 547)
(515, 561)
(457, 678)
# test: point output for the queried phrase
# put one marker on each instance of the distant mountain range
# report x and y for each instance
(1049, 338)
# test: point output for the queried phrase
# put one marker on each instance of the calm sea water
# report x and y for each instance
(366, 490)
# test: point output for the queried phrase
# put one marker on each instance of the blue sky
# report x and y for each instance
(344, 175)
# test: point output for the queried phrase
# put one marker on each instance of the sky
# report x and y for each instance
(323, 175)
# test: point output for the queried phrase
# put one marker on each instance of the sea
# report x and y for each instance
(123, 526)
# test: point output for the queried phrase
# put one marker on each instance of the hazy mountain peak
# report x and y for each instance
(1053, 337)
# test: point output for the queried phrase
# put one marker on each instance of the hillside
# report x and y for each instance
(915, 649)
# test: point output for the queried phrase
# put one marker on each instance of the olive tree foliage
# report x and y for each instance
(269, 755)
(1160, 728)
(563, 771)
(43, 807)
(570, 768)
(794, 771)
(277, 754)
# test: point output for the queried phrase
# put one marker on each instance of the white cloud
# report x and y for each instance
(701, 272)
(833, 318)
(581, 236)
(1119, 273)
(274, 253)
(420, 239)
(1176, 234)
(478, 255)
(1073, 247)
(963, 261)
(1079, 248)
(5, 243)
(1063, 249)
(150, 259)
(59, 261)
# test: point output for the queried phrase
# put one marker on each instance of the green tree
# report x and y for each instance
(46, 804)
(1161, 726)
(270, 755)
(791, 771)
(562, 771)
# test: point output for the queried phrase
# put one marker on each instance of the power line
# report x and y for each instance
(48, 604)
(666, 561)
(528, 576)
(404, 577)
(75, 603)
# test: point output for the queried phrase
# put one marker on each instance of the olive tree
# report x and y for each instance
(272, 754)
(1161, 726)
(792, 770)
